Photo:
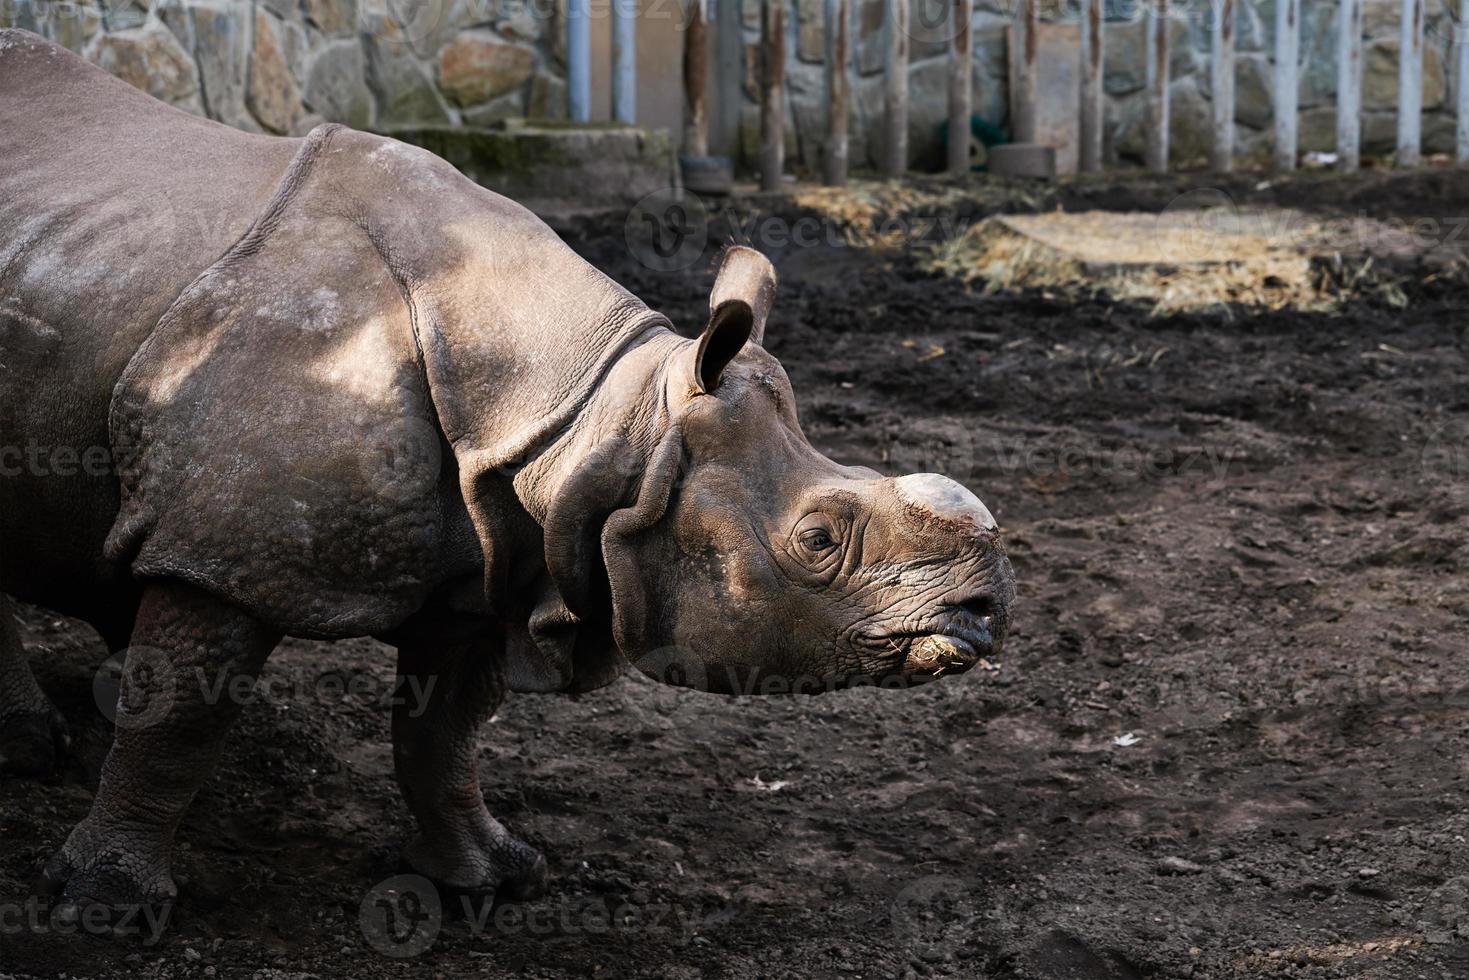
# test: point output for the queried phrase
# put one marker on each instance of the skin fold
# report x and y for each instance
(331, 388)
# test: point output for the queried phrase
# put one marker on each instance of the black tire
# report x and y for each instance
(707, 175)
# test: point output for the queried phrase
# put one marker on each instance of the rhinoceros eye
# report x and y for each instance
(817, 539)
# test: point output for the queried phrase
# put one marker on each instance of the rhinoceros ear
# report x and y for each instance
(738, 305)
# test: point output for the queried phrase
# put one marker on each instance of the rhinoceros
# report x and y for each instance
(255, 386)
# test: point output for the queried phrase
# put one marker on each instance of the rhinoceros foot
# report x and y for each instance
(32, 743)
(111, 881)
(479, 864)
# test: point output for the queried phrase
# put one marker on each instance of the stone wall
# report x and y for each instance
(283, 65)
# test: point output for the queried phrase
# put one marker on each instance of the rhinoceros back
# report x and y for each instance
(276, 339)
(110, 203)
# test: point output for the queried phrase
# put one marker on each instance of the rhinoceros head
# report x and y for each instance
(749, 562)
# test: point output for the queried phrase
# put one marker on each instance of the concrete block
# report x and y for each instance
(1022, 160)
(555, 164)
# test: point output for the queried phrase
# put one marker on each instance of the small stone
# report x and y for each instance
(547, 97)
(332, 16)
(272, 95)
(406, 94)
(335, 86)
(1380, 76)
(222, 49)
(477, 66)
(150, 59)
(1173, 865)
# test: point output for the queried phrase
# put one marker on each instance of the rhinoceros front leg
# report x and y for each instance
(190, 656)
(32, 732)
(448, 688)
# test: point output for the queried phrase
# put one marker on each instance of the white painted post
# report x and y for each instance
(1221, 154)
(1410, 84)
(895, 91)
(1156, 152)
(624, 60)
(1461, 100)
(1286, 96)
(578, 60)
(772, 93)
(1093, 47)
(838, 88)
(1027, 23)
(961, 75)
(1349, 85)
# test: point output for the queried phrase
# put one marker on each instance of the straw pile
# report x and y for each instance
(1176, 260)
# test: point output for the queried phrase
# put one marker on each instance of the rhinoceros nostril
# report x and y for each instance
(980, 605)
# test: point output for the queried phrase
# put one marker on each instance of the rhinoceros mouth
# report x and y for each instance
(938, 652)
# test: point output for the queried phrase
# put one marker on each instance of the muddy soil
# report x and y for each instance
(1229, 735)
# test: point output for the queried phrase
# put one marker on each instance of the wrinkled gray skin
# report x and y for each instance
(335, 390)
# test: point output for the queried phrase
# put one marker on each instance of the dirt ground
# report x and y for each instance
(1228, 737)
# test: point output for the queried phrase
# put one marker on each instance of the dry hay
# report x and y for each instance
(1177, 260)
(864, 203)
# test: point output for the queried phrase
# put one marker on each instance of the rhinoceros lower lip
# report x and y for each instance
(940, 653)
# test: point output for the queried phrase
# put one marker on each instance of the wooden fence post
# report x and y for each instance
(772, 93)
(895, 91)
(961, 75)
(1221, 154)
(1349, 86)
(1410, 84)
(1093, 58)
(1027, 23)
(696, 80)
(1156, 151)
(1286, 93)
(838, 87)
(729, 71)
